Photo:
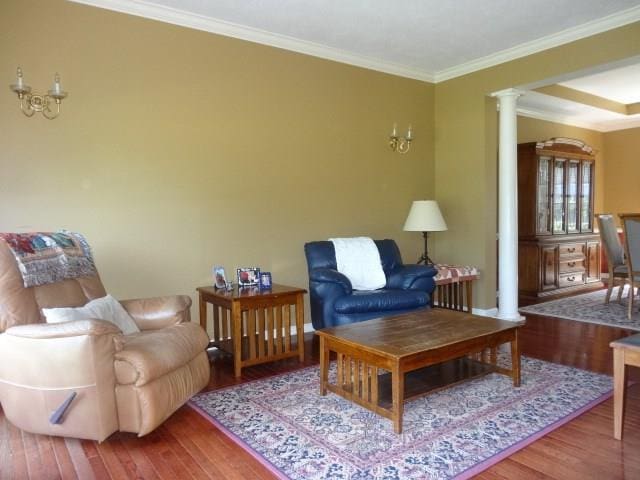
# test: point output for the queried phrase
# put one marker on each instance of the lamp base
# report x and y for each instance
(425, 256)
(426, 260)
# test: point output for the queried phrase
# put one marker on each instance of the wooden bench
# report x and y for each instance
(454, 287)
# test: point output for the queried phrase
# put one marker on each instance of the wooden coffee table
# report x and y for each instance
(400, 347)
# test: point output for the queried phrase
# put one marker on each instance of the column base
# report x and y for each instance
(509, 316)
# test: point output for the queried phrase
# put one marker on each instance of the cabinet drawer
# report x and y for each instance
(575, 265)
(571, 249)
(570, 279)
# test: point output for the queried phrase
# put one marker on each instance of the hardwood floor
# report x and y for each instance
(188, 446)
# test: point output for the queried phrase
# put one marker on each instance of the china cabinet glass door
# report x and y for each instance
(557, 195)
(586, 197)
(543, 207)
(572, 196)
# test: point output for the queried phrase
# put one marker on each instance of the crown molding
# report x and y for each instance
(146, 9)
(182, 18)
(588, 29)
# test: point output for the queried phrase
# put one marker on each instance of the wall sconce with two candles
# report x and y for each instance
(31, 103)
(400, 144)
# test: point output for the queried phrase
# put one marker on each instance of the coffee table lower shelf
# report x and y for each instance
(424, 381)
(417, 383)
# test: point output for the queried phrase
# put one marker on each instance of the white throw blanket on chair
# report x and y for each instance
(359, 260)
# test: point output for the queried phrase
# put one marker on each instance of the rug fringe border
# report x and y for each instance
(241, 443)
(498, 457)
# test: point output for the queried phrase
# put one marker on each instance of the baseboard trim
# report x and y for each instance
(486, 312)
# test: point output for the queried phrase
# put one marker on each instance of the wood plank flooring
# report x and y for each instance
(188, 446)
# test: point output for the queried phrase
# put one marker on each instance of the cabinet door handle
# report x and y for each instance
(571, 279)
(571, 250)
(571, 264)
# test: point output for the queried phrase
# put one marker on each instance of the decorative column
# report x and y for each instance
(508, 205)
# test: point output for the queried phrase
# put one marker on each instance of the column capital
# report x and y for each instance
(507, 92)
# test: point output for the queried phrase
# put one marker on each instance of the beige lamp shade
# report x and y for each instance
(425, 216)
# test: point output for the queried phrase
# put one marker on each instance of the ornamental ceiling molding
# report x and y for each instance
(588, 29)
(200, 22)
(182, 18)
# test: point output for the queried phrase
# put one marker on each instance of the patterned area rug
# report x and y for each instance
(454, 433)
(590, 307)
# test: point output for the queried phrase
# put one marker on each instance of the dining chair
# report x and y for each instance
(631, 229)
(615, 254)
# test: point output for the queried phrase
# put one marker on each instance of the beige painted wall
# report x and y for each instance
(533, 130)
(178, 149)
(466, 144)
(623, 171)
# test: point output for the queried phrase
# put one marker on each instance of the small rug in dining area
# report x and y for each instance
(453, 433)
(590, 308)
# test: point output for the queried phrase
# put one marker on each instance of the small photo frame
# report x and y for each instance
(265, 281)
(248, 276)
(219, 277)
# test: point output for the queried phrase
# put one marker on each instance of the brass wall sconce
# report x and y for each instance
(31, 103)
(400, 144)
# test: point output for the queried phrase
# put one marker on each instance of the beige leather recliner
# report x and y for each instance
(128, 383)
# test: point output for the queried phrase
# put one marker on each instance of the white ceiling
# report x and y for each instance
(429, 40)
(554, 109)
(620, 85)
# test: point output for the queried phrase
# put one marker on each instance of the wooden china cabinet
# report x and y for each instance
(557, 249)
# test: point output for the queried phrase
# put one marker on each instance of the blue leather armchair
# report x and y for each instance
(334, 302)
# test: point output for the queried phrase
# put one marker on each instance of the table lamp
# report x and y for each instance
(425, 217)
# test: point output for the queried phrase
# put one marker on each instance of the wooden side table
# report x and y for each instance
(454, 287)
(626, 351)
(258, 322)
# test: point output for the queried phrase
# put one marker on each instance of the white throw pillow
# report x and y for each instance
(105, 308)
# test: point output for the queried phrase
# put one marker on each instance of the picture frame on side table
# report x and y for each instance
(248, 276)
(219, 277)
(265, 281)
